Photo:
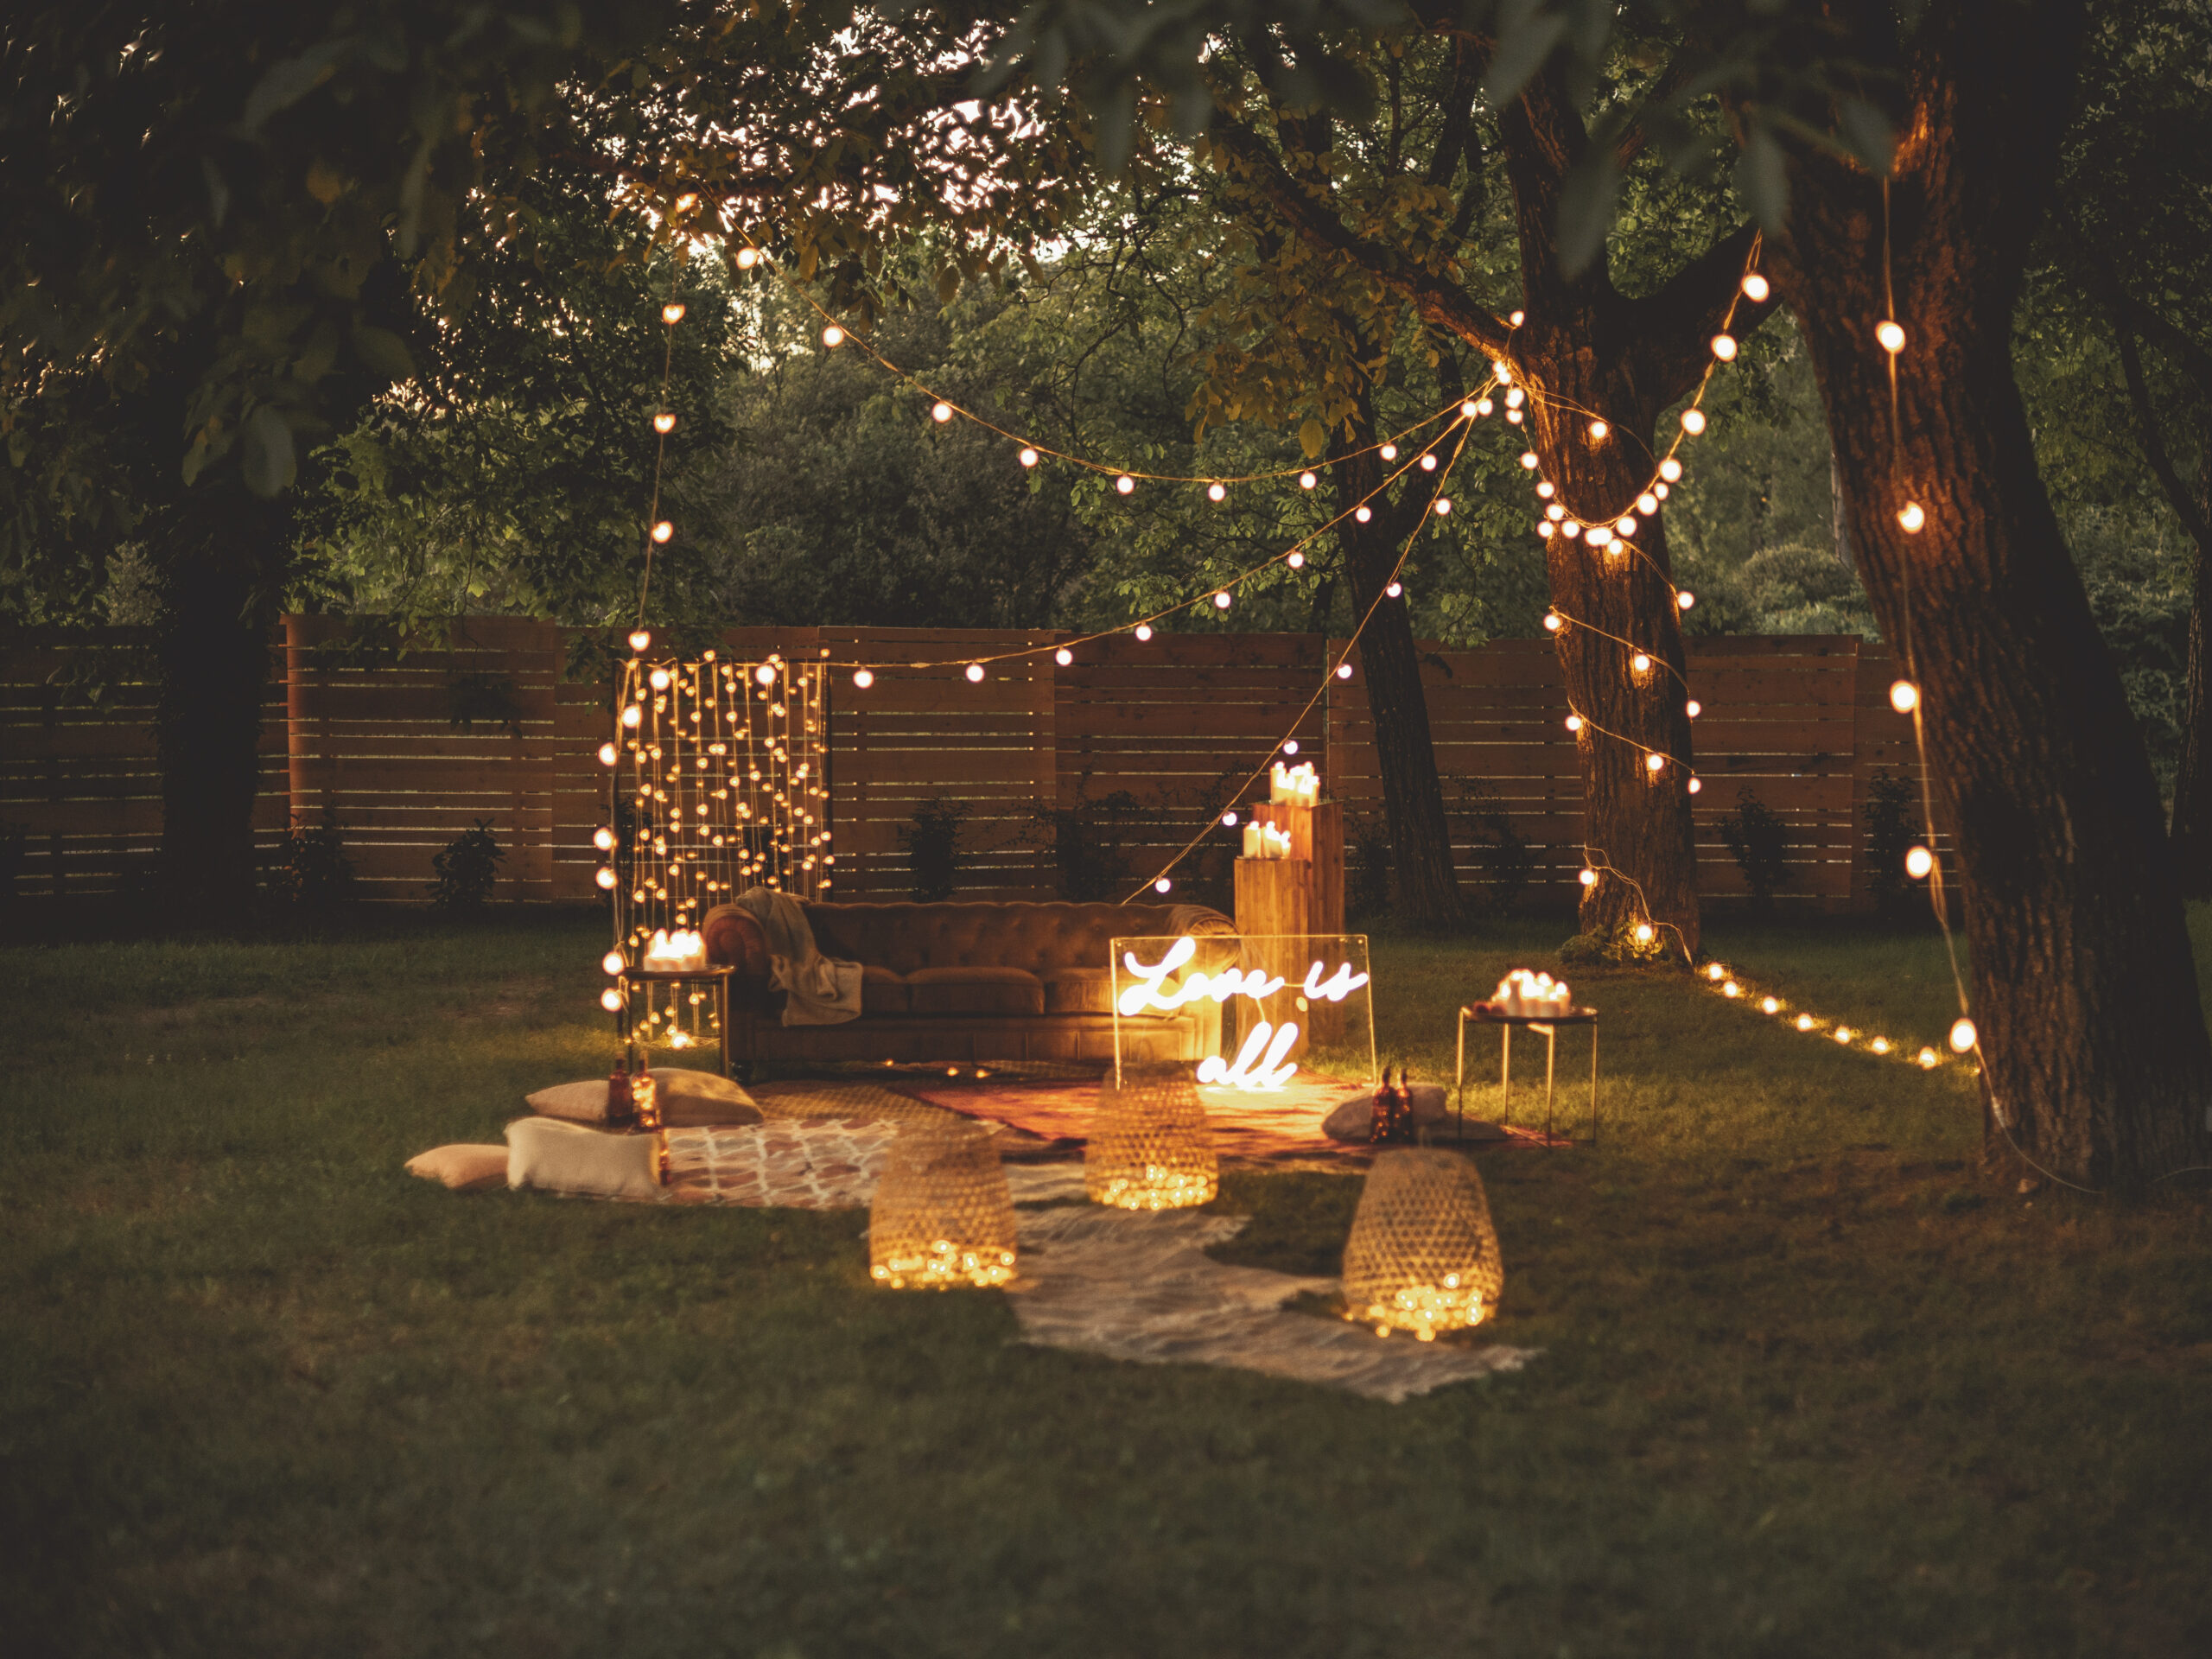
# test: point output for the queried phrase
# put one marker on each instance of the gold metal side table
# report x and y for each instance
(1545, 1025)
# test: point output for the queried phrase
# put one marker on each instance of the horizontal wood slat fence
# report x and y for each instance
(1140, 743)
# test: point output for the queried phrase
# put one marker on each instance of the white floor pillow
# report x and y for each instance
(555, 1156)
(687, 1098)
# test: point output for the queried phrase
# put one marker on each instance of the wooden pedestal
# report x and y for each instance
(1316, 840)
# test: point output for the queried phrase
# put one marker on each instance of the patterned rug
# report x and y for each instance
(1247, 1127)
(820, 1164)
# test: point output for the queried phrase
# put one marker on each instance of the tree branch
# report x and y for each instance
(1435, 298)
(2154, 443)
(1675, 324)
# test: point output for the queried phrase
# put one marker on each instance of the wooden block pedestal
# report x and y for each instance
(1302, 895)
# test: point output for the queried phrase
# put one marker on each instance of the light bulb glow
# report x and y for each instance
(747, 257)
(1306, 481)
(1027, 457)
(613, 963)
(1905, 697)
(671, 314)
(1443, 506)
(1588, 878)
(640, 640)
(1692, 708)
(605, 879)
(1390, 452)
(1755, 287)
(1162, 885)
(1805, 1022)
(1125, 483)
(631, 716)
(1217, 492)
(1483, 406)
(1528, 459)
(1467, 409)
(1685, 598)
(940, 412)
(608, 754)
(1724, 347)
(1547, 529)
(1928, 1060)
(1229, 818)
(863, 678)
(1221, 600)
(1644, 934)
(1429, 463)
(833, 336)
(658, 679)
(1395, 589)
(603, 838)
(1694, 421)
(1290, 746)
(1063, 657)
(1297, 560)
(1714, 970)
(975, 673)
(1768, 1005)
(1513, 416)
(1599, 429)
(1361, 514)
(663, 422)
(1670, 469)
(1918, 862)
(1641, 662)
(663, 531)
(1343, 670)
(1574, 722)
(1889, 336)
(1654, 763)
(1912, 517)
(1554, 512)
(1546, 490)
(611, 999)
(1553, 622)
(1647, 504)
(1144, 631)
(1625, 524)
(1696, 784)
(1963, 1036)
(765, 674)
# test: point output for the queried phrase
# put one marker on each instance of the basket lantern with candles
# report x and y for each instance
(1149, 1147)
(1423, 1253)
(943, 1214)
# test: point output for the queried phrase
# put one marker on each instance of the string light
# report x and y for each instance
(1694, 421)
(1598, 431)
(672, 313)
(1553, 622)
(608, 754)
(1574, 722)
(1963, 1035)
(1027, 457)
(1395, 589)
(1469, 410)
(1685, 598)
(1891, 337)
(1670, 469)
(1724, 347)
(1217, 492)
(975, 673)
(1443, 506)
(1912, 518)
(1221, 600)
(663, 531)
(1063, 657)
(1905, 697)
(863, 678)
(1428, 462)
(1647, 504)
(1143, 632)
(1692, 709)
(640, 640)
(605, 879)
(833, 336)
(1588, 878)
(1125, 483)
(664, 424)
(1755, 287)
(612, 962)
(1528, 459)
(603, 838)
(1654, 762)
(1306, 481)
(1390, 452)
(611, 999)
(1360, 515)
(1297, 560)
(1918, 862)
(1162, 885)
(941, 412)
(1641, 662)
(1343, 670)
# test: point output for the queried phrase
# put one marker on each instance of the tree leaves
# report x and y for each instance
(267, 457)
(1762, 180)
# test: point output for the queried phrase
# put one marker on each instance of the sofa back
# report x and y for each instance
(1041, 938)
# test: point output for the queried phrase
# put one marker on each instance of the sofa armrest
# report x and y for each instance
(734, 938)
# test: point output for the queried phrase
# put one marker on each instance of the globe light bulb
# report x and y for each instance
(1027, 457)
(613, 963)
(1625, 524)
(1361, 514)
(1443, 506)
(1694, 421)
(1144, 631)
(603, 838)
(1297, 560)
(940, 412)
(747, 257)
(1768, 1005)
(1905, 697)
(765, 674)
(640, 640)
(1963, 1036)
(1499, 368)
(1928, 1060)
(1467, 409)
(863, 678)
(1659, 490)
(1647, 504)
(833, 336)
(1724, 347)
(1654, 762)
(1641, 662)
(1125, 483)
(1574, 722)
(1390, 452)
(1696, 784)
(1516, 397)
(1290, 746)
(1643, 933)
(1429, 463)
(1686, 599)
(1598, 430)
(1229, 818)
(1553, 622)
(1513, 416)
(1063, 657)
(608, 754)
(611, 999)
(663, 422)
(1755, 287)
(1221, 600)
(1343, 670)
(1514, 319)
(1889, 336)
(1217, 492)
(1670, 469)
(1162, 885)
(671, 314)
(1546, 529)
(1554, 512)
(658, 679)
(1588, 878)
(605, 879)
(1528, 459)
(1918, 862)
(975, 673)
(1714, 970)
(663, 531)
(1395, 589)
(1570, 529)
(632, 716)
(1805, 1022)
(1599, 535)
(1692, 709)
(1912, 518)
(1545, 489)
(1306, 481)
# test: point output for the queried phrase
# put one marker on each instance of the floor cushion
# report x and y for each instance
(555, 1156)
(686, 1098)
(1003, 991)
(464, 1168)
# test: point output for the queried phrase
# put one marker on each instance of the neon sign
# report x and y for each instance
(1260, 1064)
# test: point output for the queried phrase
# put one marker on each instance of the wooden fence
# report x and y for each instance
(404, 751)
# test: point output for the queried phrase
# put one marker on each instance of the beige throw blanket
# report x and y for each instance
(818, 990)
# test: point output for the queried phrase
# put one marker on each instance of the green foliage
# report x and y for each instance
(313, 875)
(1892, 830)
(1620, 948)
(1087, 842)
(931, 841)
(467, 869)
(1759, 842)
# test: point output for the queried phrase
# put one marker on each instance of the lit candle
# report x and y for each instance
(1252, 839)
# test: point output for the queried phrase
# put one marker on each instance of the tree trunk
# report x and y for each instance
(2095, 1063)
(1428, 894)
(1637, 836)
(222, 556)
(2191, 837)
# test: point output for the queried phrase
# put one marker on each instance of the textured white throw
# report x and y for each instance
(818, 990)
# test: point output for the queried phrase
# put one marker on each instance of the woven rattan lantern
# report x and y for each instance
(1149, 1149)
(1423, 1254)
(942, 1215)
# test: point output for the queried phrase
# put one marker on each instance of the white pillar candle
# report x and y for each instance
(1251, 840)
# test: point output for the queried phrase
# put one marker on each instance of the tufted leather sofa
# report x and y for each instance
(968, 981)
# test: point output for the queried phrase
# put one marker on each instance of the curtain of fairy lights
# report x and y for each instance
(717, 784)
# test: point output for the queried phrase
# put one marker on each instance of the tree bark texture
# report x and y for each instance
(1428, 882)
(221, 556)
(2096, 1060)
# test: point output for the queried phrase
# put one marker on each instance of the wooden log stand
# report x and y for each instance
(1301, 895)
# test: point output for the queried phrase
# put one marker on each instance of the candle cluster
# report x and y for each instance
(945, 1265)
(1266, 841)
(1298, 785)
(675, 953)
(1425, 1309)
(1530, 995)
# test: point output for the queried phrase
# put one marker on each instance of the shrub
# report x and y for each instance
(932, 839)
(313, 873)
(1892, 828)
(1621, 946)
(1504, 857)
(467, 869)
(1089, 844)
(1759, 842)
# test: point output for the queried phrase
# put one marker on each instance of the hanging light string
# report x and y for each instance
(658, 529)
(1439, 506)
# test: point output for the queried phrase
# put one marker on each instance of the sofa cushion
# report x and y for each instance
(974, 990)
(1038, 938)
(882, 991)
(1079, 990)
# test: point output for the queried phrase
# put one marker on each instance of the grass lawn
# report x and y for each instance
(1809, 1384)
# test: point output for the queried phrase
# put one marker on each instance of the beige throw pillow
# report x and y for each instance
(556, 1157)
(687, 1099)
(465, 1169)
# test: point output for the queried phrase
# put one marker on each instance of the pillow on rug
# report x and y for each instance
(465, 1169)
(555, 1156)
(687, 1099)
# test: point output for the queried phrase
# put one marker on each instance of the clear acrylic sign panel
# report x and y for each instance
(1270, 1007)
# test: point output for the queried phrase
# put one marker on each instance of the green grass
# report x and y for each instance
(1810, 1384)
